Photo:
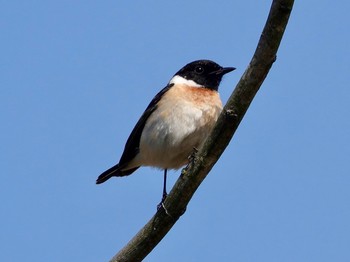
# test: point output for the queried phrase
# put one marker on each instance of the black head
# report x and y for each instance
(204, 72)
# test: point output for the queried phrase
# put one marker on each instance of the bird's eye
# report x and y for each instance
(199, 69)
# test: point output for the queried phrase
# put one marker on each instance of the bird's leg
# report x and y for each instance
(165, 194)
(192, 157)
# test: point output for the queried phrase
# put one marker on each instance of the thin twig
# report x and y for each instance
(191, 177)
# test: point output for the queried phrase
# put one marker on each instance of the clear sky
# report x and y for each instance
(76, 76)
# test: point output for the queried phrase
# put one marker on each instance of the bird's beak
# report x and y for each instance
(224, 71)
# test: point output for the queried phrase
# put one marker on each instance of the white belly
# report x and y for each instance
(175, 128)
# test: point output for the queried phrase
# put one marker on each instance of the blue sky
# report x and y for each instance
(75, 77)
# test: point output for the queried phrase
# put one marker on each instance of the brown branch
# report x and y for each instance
(191, 177)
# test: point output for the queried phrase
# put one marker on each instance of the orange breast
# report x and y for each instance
(200, 97)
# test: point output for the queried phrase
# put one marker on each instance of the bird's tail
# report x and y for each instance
(114, 171)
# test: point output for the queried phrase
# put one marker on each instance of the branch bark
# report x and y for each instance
(192, 176)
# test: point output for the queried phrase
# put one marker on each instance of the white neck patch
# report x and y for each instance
(177, 80)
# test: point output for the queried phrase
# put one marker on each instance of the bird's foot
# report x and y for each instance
(161, 204)
(192, 157)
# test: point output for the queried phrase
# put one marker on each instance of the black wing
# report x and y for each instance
(132, 145)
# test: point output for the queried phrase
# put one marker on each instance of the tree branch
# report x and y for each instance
(192, 176)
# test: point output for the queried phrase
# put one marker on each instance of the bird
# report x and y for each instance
(175, 123)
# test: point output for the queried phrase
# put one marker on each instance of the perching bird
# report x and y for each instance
(178, 120)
